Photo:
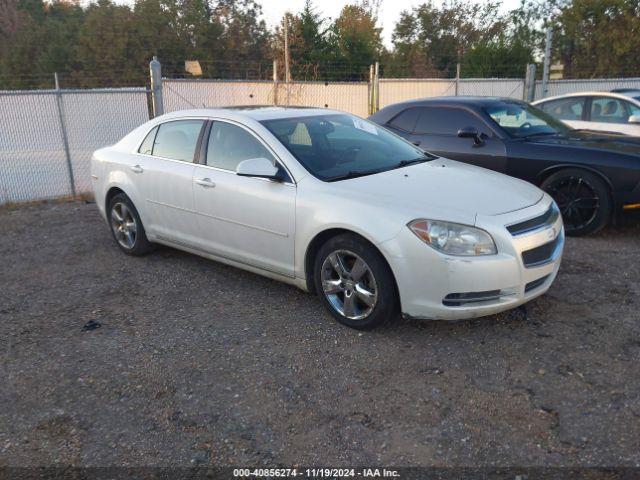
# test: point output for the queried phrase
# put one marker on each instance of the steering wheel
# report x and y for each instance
(526, 125)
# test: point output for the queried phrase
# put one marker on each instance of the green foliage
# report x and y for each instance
(598, 38)
(355, 38)
(109, 44)
(431, 39)
(106, 44)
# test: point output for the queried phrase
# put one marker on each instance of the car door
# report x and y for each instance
(571, 110)
(165, 175)
(610, 114)
(246, 219)
(436, 131)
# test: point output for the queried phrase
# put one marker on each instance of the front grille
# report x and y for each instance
(459, 299)
(536, 257)
(546, 219)
(535, 284)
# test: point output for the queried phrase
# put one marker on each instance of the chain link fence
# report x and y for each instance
(180, 94)
(47, 137)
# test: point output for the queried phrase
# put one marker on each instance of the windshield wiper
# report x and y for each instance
(350, 174)
(404, 163)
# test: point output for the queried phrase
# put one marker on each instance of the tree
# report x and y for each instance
(309, 43)
(243, 36)
(41, 40)
(597, 38)
(355, 37)
(105, 44)
(8, 21)
(430, 40)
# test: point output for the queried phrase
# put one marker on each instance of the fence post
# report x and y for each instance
(530, 83)
(155, 71)
(287, 60)
(376, 84)
(457, 78)
(547, 62)
(275, 82)
(63, 129)
(370, 100)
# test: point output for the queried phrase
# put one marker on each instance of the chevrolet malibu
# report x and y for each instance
(332, 204)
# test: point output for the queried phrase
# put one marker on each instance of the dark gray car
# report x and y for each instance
(591, 176)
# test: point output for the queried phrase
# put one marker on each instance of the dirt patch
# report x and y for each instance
(198, 363)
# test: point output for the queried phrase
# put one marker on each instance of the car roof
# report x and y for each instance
(463, 100)
(254, 112)
(634, 91)
(627, 95)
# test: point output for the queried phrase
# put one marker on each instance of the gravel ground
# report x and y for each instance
(197, 363)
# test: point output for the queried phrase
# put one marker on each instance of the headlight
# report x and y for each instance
(453, 238)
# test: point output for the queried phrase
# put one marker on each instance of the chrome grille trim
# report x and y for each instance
(536, 283)
(543, 254)
(540, 222)
(468, 298)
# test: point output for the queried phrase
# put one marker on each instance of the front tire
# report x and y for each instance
(583, 199)
(355, 282)
(126, 226)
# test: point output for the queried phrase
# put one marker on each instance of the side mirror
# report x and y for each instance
(471, 132)
(258, 167)
(634, 119)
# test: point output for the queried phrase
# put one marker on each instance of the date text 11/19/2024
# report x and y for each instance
(315, 472)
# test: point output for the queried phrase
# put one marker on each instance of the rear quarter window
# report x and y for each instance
(405, 120)
(146, 147)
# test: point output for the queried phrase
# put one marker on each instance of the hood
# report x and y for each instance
(609, 142)
(444, 184)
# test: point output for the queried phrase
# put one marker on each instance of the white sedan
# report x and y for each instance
(617, 111)
(332, 204)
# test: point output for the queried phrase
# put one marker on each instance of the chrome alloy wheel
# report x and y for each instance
(349, 285)
(123, 225)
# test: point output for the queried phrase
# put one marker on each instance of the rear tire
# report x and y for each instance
(355, 282)
(126, 226)
(584, 200)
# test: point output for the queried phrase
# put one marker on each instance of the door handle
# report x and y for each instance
(417, 143)
(137, 169)
(205, 182)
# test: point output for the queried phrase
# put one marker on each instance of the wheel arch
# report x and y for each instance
(324, 236)
(547, 172)
(542, 176)
(112, 192)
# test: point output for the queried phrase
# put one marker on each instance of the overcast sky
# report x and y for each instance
(273, 10)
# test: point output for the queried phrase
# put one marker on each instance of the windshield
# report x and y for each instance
(520, 120)
(340, 146)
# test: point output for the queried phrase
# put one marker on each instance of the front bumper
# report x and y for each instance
(437, 286)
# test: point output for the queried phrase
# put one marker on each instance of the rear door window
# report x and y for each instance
(447, 121)
(178, 139)
(565, 108)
